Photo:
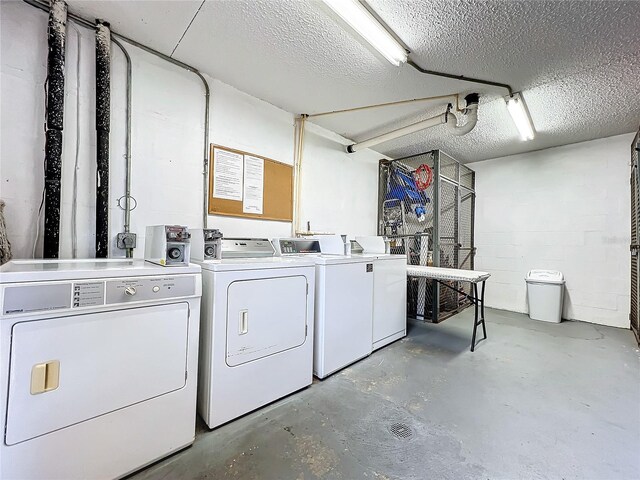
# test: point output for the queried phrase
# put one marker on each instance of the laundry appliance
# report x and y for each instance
(343, 300)
(256, 329)
(389, 291)
(98, 366)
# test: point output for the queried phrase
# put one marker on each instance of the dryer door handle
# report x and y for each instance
(243, 326)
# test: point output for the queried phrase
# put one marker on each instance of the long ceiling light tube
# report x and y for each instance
(520, 114)
(369, 28)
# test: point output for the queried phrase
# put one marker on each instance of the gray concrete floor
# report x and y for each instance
(534, 401)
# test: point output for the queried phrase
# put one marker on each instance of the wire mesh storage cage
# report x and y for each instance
(426, 207)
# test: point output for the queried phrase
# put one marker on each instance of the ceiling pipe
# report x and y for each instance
(54, 126)
(462, 78)
(447, 118)
(471, 114)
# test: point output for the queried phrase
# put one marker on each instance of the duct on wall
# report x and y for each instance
(103, 125)
(448, 118)
(54, 125)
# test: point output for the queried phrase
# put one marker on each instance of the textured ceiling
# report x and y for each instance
(577, 63)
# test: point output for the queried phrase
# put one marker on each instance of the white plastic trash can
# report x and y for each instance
(546, 292)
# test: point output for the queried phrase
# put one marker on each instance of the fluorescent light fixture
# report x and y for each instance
(359, 18)
(518, 110)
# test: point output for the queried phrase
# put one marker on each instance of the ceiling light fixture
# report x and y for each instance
(369, 28)
(520, 114)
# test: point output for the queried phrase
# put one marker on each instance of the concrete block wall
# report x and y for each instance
(564, 208)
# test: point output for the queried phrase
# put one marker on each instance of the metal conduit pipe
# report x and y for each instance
(460, 77)
(54, 125)
(127, 180)
(444, 118)
(103, 127)
(88, 24)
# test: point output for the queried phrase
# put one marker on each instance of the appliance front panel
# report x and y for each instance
(347, 323)
(70, 369)
(389, 298)
(264, 317)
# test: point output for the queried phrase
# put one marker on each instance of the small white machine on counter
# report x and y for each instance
(167, 245)
(343, 301)
(389, 291)
(256, 342)
(98, 366)
(206, 244)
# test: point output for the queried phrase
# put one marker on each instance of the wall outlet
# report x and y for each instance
(126, 240)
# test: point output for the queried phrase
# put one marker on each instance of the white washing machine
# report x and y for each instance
(256, 329)
(98, 366)
(389, 292)
(344, 301)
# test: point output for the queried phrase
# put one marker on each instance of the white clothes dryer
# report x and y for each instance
(98, 366)
(256, 329)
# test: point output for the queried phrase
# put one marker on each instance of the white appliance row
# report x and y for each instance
(99, 358)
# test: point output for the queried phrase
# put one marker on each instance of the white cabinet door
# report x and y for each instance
(264, 317)
(390, 298)
(107, 361)
(345, 329)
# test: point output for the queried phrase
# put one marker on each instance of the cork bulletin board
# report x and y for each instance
(249, 185)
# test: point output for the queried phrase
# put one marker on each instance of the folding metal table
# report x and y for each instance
(443, 275)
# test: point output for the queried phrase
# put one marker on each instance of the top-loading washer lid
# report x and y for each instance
(42, 270)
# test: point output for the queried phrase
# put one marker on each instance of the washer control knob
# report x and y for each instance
(156, 289)
(131, 291)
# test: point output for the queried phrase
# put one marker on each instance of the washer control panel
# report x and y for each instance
(141, 289)
(39, 297)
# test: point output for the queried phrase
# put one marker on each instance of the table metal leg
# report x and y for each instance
(475, 317)
(484, 328)
(478, 301)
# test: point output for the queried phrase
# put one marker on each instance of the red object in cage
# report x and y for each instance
(423, 176)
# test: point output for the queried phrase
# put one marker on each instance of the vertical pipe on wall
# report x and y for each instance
(205, 171)
(103, 123)
(54, 124)
(127, 180)
(297, 172)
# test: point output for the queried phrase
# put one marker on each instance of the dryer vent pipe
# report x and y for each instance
(54, 124)
(448, 118)
(103, 126)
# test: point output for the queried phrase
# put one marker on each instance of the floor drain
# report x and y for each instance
(401, 430)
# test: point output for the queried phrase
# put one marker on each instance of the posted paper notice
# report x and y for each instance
(227, 174)
(253, 185)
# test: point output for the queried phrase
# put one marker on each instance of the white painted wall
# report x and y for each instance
(340, 190)
(167, 146)
(567, 209)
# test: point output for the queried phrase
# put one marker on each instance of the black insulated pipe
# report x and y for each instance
(54, 123)
(103, 124)
(460, 77)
